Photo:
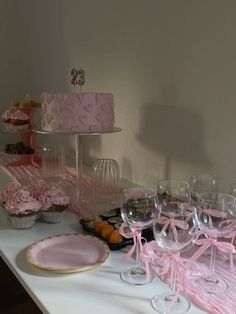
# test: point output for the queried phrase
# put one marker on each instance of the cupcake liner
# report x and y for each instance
(53, 217)
(23, 222)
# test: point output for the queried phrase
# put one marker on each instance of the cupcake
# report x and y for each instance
(8, 191)
(6, 118)
(54, 204)
(22, 209)
(19, 120)
(38, 189)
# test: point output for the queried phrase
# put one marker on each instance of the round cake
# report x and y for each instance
(77, 112)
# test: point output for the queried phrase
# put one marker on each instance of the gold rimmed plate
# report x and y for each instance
(67, 253)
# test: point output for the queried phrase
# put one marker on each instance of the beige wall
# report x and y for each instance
(171, 66)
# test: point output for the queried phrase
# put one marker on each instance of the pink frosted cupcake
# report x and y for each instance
(6, 118)
(19, 120)
(38, 189)
(54, 204)
(22, 209)
(8, 190)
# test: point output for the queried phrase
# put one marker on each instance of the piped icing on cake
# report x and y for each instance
(77, 112)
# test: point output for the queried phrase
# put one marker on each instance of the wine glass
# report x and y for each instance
(200, 183)
(216, 216)
(173, 191)
(138, 211)
(175, 228)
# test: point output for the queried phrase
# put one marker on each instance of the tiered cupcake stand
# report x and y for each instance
(29, 139)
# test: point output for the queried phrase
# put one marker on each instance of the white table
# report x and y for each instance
(98, 290)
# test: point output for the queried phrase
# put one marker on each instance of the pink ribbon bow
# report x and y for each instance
(137, 238)
(173, 224)
(224, 247)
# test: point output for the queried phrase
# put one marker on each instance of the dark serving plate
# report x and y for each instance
(114, 218)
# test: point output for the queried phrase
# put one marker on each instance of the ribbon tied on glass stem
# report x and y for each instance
(137, 238)
(173, 223)
(224, 247)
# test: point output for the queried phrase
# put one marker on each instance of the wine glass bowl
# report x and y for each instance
(173, 191)
(201, 183)
(216, 214)
(138, 209)
(138, 212)
(175, 228)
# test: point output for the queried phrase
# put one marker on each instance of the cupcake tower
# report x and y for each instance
(18, 119)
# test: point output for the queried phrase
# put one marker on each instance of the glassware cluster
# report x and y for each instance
(183, 215)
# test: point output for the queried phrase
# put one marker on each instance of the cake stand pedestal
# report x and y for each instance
(78, 140)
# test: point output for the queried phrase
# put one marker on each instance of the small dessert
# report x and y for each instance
(107, 231)
(22, 209)
(114, 220)
(99, 225)
(19, 120)
(6, 118)
(90, 222)
(8, 191)
(115, 237)
(54, 204)
(109, 213)
(38, 189)
(19, 148)
(118, 225)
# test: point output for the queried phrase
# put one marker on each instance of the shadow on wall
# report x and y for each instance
(175, 132)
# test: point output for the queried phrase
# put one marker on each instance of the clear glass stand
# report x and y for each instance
(78, 138)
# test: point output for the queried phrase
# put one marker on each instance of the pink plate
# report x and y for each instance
(67, 253)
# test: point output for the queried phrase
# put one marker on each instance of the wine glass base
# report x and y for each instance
(168, 303)
(137, 276)
(211, 284)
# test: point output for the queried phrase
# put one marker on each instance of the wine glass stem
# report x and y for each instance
(173, 277)
(213, 258)
(138, 248)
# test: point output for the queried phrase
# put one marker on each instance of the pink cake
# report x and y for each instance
(77, 112)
